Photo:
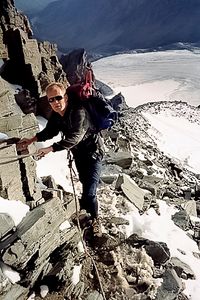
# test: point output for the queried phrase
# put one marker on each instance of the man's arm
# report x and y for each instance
(51, 130)
(79, 126)
(73, 135)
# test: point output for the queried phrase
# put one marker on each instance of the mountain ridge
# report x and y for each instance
(106, 27)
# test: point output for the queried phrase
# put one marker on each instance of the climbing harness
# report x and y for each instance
(69, 156)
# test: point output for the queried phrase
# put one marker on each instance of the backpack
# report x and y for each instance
(102, 114)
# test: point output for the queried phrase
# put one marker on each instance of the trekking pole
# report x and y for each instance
(69, 156)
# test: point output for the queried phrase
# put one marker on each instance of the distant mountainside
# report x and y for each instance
(32, 6)
(110, 25)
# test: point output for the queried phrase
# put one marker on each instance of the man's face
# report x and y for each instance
(57, 99)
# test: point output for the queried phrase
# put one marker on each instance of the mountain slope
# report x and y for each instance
(129, 24)
(30, 7)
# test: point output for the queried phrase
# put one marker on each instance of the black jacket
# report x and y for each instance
(76, 128)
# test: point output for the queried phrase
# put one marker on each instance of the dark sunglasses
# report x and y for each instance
(58, 98)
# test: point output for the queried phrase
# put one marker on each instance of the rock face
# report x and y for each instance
(10, 18)
(15, 123)
(39, 235)
(27, 62)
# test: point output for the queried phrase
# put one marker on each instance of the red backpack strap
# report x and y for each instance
(80, 91)
(86, 90)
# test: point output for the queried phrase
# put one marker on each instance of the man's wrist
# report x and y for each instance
(34, 139)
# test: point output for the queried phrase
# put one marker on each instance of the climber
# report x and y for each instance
(73, 121)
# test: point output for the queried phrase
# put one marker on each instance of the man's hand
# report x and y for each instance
(24, 143)
(43, 151)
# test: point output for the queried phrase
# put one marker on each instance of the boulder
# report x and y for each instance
(131, 190)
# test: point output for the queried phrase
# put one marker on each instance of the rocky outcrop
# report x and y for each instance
(27, 62)
(75, 64)
(11, 18)
(15, 124)
(44, 230)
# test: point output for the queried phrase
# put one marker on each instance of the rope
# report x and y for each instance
(79, 227)
(13, 158)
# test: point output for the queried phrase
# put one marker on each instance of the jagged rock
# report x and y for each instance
(109, 173)
(158, 251)
(10, 123)
(198, 207)
(51, 68)
(187, 194)
(136, 174)
(48, 215)
(196, 229)
(182, 269)
(17, 292)
(103, 88)
(17, 124)
(150, 201)
(153, 179)
(5, 283)
(11, 18)
(26, 59)
(50, 189)
(197, 191)
(119, 221)
(147, 186)
(109, 179)
(181, 219)
(123, 144)
(118, 102)
(7, 101)
(43, 108)
(27, 103)
(182, 296)
(131, 190)
(33, 59)
(24, 226)
(136, 241)
(74, 65)
(168, 193)
(94, 296)
(190, 208)
(49, 182)
(75, 291)
(175, 169)
(122, 159)
(6, 224)
(37, 62)
(171, 286)
(11, 186)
